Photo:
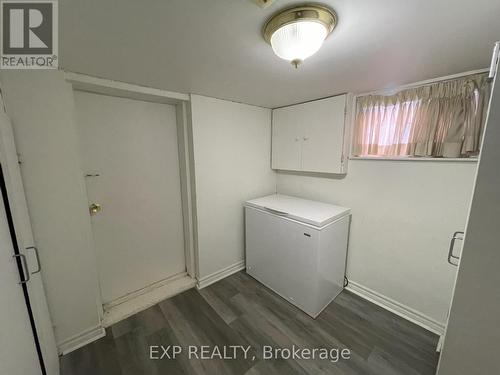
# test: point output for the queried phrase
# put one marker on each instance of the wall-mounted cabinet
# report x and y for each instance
(311, 137)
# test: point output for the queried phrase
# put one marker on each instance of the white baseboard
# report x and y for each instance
(82, 339)
(397, 308)
(221, 274)
(126, 306)
(147, 289)
(135, 302)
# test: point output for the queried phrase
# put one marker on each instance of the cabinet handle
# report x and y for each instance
(25, 268)
(37, 256)
(306, 138)
(452, 246)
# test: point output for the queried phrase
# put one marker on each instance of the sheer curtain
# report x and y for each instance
(443, 119)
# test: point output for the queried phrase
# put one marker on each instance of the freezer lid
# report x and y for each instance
(310, 212)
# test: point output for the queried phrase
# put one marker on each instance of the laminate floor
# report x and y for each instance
(240, 311)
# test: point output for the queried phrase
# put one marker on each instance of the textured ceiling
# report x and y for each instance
(215, 48)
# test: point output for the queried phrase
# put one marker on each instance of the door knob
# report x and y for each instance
(95, 208)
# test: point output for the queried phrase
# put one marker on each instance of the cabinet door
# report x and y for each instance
(18, 354)
(322, 126)
(286, 139)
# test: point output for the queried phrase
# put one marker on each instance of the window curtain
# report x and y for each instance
(444, 119)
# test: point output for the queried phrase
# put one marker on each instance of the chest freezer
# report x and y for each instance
(297, 248)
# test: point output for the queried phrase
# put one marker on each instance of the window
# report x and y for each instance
(443, 119)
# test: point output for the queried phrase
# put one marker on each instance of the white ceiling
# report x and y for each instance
(215, 48)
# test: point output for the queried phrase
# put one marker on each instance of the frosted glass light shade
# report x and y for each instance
(297, 41)
(298, 32)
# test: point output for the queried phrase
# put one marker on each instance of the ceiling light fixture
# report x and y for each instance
(299, 32)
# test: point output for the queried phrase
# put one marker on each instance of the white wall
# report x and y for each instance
(232, 148)
(41, 106)
(403, 215)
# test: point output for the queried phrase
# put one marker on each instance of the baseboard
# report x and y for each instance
(141, 300)
(147, 289)
(397, 308)
(81, 339)
(221, 274)
(127, 306)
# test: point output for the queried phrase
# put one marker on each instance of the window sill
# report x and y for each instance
(439, 160)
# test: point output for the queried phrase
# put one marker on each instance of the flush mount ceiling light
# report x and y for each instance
(299, 32)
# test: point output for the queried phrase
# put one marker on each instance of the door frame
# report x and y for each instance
(180, 101)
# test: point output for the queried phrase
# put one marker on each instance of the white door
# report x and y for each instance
(322, 124)
(24, 237)
(471, 345)
(129, 152)
(18, 354)
(286, 139)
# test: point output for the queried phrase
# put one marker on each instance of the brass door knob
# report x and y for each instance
(95, 208)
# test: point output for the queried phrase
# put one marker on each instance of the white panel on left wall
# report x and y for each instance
(41, 106)
(232, 153)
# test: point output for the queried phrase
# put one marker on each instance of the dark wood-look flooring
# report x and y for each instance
(240, 311)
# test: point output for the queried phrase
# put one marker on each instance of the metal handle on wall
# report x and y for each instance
(452, 246)
(39, 267)
(25, 268)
